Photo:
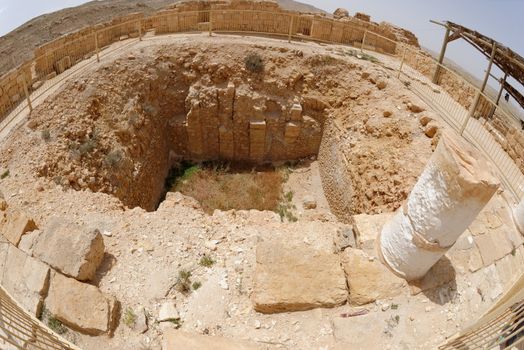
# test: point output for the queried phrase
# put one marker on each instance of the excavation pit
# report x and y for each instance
(123, 128)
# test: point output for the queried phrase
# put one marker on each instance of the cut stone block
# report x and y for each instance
(296, 112)
(493, 246)
(80, 306)
(291, 132)
(367, 228)
(369, 279)
(17, 224)
(25, 278)
(73, 250)
(174, 339)
(28, 241)
(297, 269)
(257, 139)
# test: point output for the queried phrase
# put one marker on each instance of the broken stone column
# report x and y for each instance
(451, 191)
(518, 216)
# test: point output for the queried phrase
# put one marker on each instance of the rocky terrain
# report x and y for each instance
(91, 246)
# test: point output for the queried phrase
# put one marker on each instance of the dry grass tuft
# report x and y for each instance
(217, 188)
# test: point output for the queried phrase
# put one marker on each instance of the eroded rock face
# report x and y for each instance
(71, 249)
(297, 269)
(80, 306)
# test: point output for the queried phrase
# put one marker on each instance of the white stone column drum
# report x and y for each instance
(518, 216)
(451, 191)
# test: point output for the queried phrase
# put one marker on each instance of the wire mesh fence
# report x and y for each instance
(19, 330)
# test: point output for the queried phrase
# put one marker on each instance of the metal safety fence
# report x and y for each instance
(502, 327)
(19, 330)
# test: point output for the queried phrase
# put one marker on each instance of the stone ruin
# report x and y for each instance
(394, 227)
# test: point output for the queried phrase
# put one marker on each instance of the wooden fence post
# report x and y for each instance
(402, 62)
(475, 103)
(363, 41)
(26, 91)
(96, 47)
(210, 24)
(291, 22)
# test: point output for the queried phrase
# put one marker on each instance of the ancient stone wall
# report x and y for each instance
(12, 88)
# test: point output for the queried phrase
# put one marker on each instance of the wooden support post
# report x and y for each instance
(291, 23)
(494, 109)
(402, 62)
(482, 87)
(363, 41)
(97, 49)
(441, 56)
(210, 24)
(26, 91)
(502, 82)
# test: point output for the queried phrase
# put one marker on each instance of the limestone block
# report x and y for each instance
(25, 278)
(62, 64)
(493, 246)
(71, 249)
(291, 132)
(17, 223)
(367, 227)
(369, 279)
(80, 306)
(297, 269)
(295, 112)
(175, 339)
(257, 138)
(227, 145)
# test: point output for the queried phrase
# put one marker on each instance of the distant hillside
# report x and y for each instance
(21, 42)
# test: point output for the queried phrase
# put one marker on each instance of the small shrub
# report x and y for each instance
(183, 283)
(285, 207)
(129, 317)
(206, 261)
(196, 285)
(254, 63)
(114, 158)
(176, 321)
(87, 147)
(54, 324)
(394, 306)
(46, 135)
(4, 174)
